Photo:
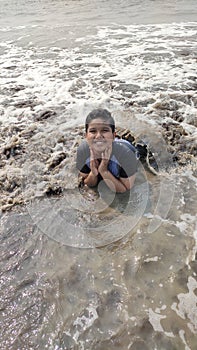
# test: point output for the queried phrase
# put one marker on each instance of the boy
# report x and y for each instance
(102, 157)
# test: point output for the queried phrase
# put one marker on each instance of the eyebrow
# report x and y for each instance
(105, 127)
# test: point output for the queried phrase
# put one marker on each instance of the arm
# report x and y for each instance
(117, 185)
(128, 182)
(86, 175)
(91, 179)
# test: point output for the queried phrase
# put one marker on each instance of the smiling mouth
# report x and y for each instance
(99, 142)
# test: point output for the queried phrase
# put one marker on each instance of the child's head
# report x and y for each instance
(103, 114)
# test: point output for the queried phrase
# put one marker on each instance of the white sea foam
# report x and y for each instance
(186, 307)
(72, 76)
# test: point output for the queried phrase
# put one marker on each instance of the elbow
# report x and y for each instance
(123, 189)
(126, 187)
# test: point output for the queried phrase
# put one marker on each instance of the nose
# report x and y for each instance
(98, 134)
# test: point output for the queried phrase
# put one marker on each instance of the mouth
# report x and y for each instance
(99, 143)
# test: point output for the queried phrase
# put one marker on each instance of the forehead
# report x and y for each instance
(99, 122)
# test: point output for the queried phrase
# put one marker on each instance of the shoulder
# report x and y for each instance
(83, 152)
(83, 148)
(125, 154)
(121, 147)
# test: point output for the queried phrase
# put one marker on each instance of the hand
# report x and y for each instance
(105, 159)
(94, 164)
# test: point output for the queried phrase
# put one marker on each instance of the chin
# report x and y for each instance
(99, 149)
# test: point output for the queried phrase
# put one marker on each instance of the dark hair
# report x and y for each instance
(100, 113)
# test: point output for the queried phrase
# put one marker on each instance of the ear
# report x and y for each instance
(114, 135)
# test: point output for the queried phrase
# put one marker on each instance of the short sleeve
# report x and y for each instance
(127, 160)
(83, 154)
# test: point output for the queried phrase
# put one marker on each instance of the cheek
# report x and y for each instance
(89, 140)
(110, 138)
(88, 137)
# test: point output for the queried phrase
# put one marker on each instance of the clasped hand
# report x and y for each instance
(100, 167)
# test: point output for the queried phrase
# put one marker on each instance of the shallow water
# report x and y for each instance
(85, 270)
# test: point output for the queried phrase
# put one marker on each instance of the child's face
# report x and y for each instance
(99, 135)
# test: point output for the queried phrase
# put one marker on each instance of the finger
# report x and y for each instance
(107, 153)
(110, 149)
(92, 157)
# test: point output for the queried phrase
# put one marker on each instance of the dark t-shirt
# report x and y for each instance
(123, 161)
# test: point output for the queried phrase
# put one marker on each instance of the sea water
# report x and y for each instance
(83, 269)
